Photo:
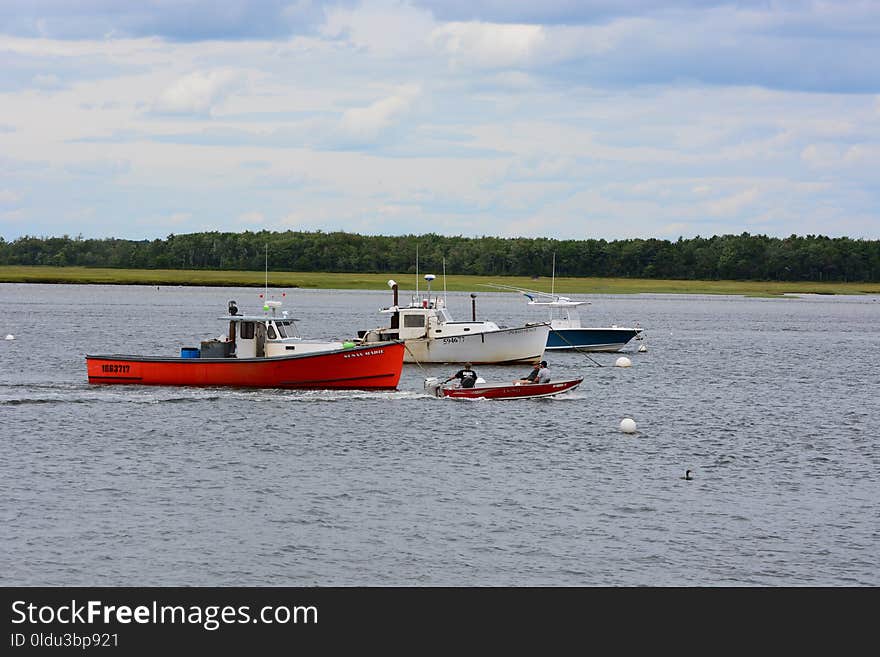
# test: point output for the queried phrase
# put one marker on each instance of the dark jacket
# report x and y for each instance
(468, 378)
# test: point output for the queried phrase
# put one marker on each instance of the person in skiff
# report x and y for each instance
(539, 374)
(543, 373)
(467, 375)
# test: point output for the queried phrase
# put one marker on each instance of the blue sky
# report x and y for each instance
(558, 118)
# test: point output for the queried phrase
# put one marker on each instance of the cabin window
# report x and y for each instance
(246, 331)
(281, 330)
(271, 332)
(413, 321)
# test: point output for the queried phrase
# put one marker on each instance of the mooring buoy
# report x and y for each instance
(628, 425)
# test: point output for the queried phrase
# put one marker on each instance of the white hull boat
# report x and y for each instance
(432, 337)
(499, 346)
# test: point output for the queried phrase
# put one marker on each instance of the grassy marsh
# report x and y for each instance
(343, 281)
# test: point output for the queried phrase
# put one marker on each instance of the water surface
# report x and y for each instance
(771, 402)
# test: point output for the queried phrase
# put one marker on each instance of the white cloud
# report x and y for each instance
(865, 155)
(198, 93)
(383, 27)
(821, 155)
(514, 80)
(46, 81)
(9, 197)
(363, 124)
(13, 216)
(733, 204)
(674, 230)
(173, 220)
(559, 128)
(489, 45)
(544, 167)
(252, 218)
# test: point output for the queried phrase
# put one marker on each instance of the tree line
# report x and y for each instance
(724, 257)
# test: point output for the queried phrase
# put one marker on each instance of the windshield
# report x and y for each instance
(286, 329)
(443, 316)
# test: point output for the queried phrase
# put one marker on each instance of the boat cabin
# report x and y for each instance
(563, 312)
(261, 336)
(258, 337)
(424, 319)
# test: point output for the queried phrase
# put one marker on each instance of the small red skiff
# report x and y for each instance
(507, 391)
(260, 352)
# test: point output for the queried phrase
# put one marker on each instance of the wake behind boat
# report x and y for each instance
(506, 391)
(432, 336)
(260, 351)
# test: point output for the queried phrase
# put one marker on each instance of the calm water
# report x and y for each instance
(772, 403)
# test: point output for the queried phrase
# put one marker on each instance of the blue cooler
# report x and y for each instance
(189, 352)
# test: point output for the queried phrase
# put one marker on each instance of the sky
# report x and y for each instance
(560, 118)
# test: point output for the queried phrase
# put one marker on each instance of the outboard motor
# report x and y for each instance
(432, 386)
(233, 309)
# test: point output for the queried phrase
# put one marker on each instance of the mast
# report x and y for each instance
(417, 271)
(553, 279)
(445, 300)
(265, 294)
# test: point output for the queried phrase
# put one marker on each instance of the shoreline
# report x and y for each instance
(406, 281)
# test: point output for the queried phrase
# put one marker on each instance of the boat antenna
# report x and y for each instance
(417, 271)
(267, 270)
(553, 278)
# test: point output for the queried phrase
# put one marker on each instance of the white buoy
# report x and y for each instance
(628, 425)
(9, 336)
(623, 361)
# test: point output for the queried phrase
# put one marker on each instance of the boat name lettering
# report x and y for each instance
(452, 340)
(115, 368)
(358, 354)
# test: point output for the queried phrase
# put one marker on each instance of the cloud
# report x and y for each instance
(46, 81)
(821, 155)
(252, 218)
(561, 118)
(104, 169)
(198, 93)
(383, 27)
(179, 20)
(13, 216)
(172, 220)
(365, 124)
(733, 204)
(489, 45)
(9, 197)
(674, 230)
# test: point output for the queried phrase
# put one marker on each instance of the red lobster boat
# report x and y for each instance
(506, 391)
(260, 352)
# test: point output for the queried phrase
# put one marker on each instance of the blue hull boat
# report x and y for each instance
(566, 332)
(590, 339)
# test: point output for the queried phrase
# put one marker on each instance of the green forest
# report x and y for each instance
(727, 257)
